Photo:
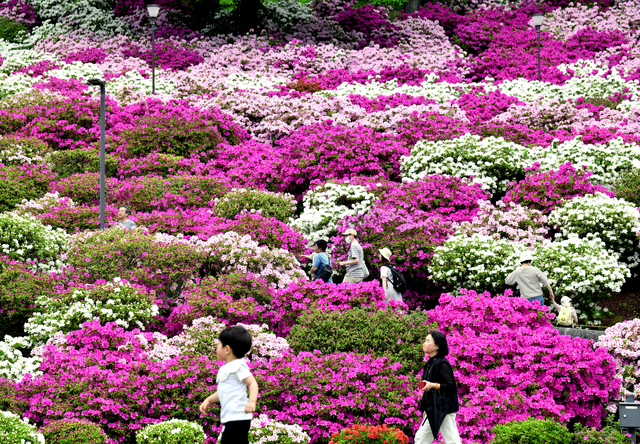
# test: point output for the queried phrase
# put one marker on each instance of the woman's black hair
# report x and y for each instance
(322, 244)
(238, 338)
(440, 340)
(384, 260)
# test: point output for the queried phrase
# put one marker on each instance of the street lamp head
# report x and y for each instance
(537, 19)
(153, 10)
(96, 82)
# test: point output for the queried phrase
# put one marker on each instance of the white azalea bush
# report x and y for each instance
(280, 206)
(474, 262)
(232, 253)
(18, 151)
(26, 239)
(623, 343)
(615, 221)
(174, 431)
(265, 430)
(491, 161)
(326, 205)
(15, 430)
(605, 161)
(13, 364)
(512, 222)
(583, 269)
(201, 339)
(117, 301)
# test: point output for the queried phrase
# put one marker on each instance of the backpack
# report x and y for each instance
(564, 317)
(399, 284)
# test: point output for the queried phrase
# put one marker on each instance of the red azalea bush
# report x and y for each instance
(290, 302)
(326, 151)
(546, 190)
(369, 434)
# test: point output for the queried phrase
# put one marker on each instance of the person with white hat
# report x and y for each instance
(386, 275)
(356, 269)
(529, 280)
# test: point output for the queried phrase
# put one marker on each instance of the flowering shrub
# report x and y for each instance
(15, 429)
(491, 161)
(82, 188)
(27, 240)
(608, 435)
(615, 221)
(66, 163)
(73, 431)
(19, 288)
(276, 205)
(117, 301)
(206, 300)
(241, 285)
(16, 151)
(369, 434)
(13, 364)
(232, 253)
(386, 332)
(201, 339)
(326, 204)
(289, 303)
(267, 431)
(622, 341)
(22, 182)
(628, 185)
(515, 223)
(174, 431)
(544, 191)
(479, 262)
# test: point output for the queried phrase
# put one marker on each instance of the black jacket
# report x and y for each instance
(438, 404)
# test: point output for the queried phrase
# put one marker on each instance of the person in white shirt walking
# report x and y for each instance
(529, 279)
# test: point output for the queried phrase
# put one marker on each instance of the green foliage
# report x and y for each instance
(66, 163)
(387, 333)
(277, 205)
(10, 29)
(242, 285)
(627, 187)
(19, 289)
(16, 150)
(608, 435)
(15, 430)
(175, 431)
(18, 183)
(531, 431)
(73, 431)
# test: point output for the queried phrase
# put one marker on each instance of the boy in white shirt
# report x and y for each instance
(233, 379)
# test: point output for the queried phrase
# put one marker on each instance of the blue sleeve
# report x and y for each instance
(317, 261)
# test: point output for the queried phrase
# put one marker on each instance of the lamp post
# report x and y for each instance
(101, 83)
(538, 19)
(153, 15)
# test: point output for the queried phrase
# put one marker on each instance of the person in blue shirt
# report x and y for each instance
(321, 258)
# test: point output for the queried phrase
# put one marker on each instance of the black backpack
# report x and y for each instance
(325, 273)
(399, 284)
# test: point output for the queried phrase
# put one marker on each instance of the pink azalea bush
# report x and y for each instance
(622, 341)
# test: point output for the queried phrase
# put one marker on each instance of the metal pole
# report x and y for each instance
(102, 149)
(538, 32)
(153, 55)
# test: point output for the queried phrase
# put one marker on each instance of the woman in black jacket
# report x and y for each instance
(439, 402)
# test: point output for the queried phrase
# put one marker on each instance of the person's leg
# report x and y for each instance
(349, 280)
(236, 432)
(449, 430)
(537, 298)
(424, 435)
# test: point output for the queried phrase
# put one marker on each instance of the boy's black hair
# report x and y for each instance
(440, 340)
(238, 338)
(525, 262)
(322, 244)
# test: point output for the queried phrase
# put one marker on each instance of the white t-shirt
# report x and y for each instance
(392, 294)
(232, 391)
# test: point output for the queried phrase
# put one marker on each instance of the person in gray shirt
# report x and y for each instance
(123, 217)
(529, 279)
(356, 268)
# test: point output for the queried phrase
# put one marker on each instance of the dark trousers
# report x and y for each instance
(236, 432)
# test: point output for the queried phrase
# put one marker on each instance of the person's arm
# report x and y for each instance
(574, 316)
(447, 378)
(207, 402)
(511, 279)
(355, 260)
(253, 394)
(550, 292)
